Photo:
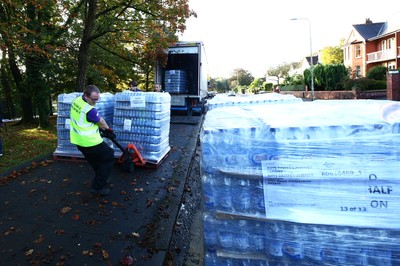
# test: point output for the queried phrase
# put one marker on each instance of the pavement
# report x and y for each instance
(48, 215)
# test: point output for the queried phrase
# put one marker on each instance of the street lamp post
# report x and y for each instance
(311, 56)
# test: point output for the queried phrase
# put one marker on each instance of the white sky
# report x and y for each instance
(257, 34)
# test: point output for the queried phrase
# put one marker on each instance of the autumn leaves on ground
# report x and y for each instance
(22, 143)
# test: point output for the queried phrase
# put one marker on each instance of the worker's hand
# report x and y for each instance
(107, 133)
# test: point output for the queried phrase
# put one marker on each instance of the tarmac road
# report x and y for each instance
(49, 217)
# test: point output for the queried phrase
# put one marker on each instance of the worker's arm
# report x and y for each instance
(103, 124)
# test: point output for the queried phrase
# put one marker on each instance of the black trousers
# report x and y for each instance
(101, 158)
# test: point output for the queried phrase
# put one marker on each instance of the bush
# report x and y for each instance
(293, 88)
(364, 84)
(377, 73)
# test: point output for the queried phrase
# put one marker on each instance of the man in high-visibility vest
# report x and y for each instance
(85, 134)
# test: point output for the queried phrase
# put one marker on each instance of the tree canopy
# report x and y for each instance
(279, 72)
(51, 47)
(331, 55)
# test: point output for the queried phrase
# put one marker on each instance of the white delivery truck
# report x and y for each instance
(184, 77)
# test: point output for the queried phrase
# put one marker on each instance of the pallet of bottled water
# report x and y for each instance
(175, 81)
(223, 100)
(143, 118)
(322, 163)
(105, 107)
(230, 240)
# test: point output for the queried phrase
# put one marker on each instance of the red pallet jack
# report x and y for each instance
(130, 157)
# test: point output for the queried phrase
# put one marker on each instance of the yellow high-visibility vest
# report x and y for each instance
(83, 132)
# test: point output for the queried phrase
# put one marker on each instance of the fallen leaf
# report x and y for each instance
(75, 217)
(149, 203)
(29, 252)
(39, 240)
(106, 256)
(65, 210)
(59, 232)
(126, 261)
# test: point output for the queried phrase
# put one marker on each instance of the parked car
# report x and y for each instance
(231, 93)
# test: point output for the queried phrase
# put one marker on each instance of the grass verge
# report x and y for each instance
(23, 143)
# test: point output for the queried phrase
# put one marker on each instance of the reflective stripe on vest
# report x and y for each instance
(83, 132)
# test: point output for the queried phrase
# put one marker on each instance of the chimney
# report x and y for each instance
(368, 21)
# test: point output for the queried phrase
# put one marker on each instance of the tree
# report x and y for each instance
(331, 55)
(242, 77)
(257, 84)
(219, 84)
(139, 30)
(109, 41)
(279, 72)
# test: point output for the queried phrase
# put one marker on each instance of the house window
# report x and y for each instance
(390, 43)
(383, 44)
(358, 71)
(392, 66)
(357, 51)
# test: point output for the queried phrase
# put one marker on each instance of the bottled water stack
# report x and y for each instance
(105, 106)
(143, 119)
(175, 81)
(223, 100)
(306, 175)
(256, 242)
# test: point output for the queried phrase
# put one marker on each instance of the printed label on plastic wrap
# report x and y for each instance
(343, 191)
(127, 124)
(67, 123)
(138, 101)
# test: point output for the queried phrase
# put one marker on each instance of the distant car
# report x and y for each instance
(211, 94)
(231, 93)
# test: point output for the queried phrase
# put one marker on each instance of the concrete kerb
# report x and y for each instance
(29, 163)
(174, 201)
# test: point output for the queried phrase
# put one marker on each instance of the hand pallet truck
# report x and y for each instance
(130, 157)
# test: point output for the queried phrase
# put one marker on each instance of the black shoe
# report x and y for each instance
(101, 192)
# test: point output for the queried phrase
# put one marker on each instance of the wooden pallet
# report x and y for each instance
(156, 164)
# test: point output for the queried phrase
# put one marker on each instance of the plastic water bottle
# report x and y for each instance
(257, 234)
(209, 192)
(257, 197)
(312, 244)
(292, 247)
(210, 230)
(210, 257)
(274, 231)
(241, 237)
(329, 247)
(242, 196)
(225, 236)
(224, 194)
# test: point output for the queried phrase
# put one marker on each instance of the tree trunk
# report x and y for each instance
(91, 9)
(10, 108)
(25, 98)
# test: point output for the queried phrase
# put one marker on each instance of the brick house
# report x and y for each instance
(372, 44)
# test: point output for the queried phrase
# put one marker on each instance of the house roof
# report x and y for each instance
(370, 30)
(314, 61)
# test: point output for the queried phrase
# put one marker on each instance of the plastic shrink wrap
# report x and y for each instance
(302, 183)
(223, 100)
(143, 118)
(175, 81)
(105, 106)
